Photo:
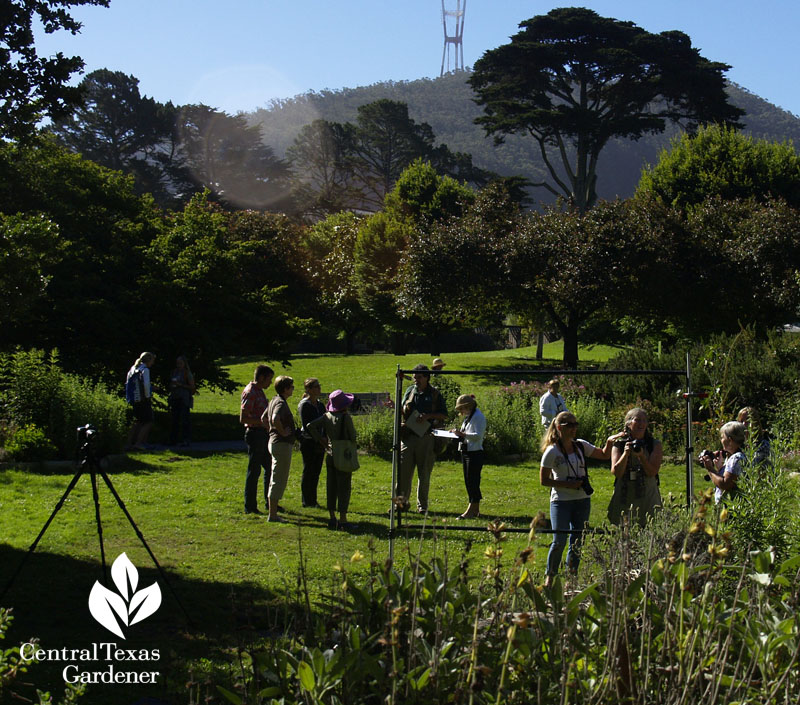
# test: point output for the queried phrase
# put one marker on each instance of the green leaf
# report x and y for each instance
(422, 681)
(582, 595)
(790, 565)
(636, 586)
(230, 697)
(306, 675)
(762, 560)
(272, 691)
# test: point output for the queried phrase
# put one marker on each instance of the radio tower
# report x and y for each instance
(454, 17)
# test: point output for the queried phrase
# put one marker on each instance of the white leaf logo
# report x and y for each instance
(109, 608)
(123, 572)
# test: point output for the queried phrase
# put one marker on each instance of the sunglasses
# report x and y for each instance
(570, 424)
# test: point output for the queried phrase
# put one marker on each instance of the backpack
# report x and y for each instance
(134, 386)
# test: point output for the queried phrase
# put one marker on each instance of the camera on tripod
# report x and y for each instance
(85, 435)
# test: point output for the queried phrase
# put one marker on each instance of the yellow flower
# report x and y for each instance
(356, 557)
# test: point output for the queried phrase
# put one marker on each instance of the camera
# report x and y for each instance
(710, 455)
(586, 486)
(85, 434)
(84, 450)
(637, 444)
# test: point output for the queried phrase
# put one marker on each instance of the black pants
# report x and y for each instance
(472, 462)
(338, 486)
(313, 455)
(258, 457)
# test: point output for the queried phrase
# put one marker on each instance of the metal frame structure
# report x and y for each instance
(456, 38)
(687, 394)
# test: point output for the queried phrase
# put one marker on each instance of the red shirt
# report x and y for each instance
(254, 402)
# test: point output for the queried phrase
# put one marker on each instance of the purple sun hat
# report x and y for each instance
(339, 400)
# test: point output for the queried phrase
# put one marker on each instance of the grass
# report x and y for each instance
(228, 569)
(217, 413)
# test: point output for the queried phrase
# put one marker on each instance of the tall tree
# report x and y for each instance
(573, 80)
(31, 86)
(320, 159)
(119, 128)
(386, 140)
(226, 155)
(330, 267)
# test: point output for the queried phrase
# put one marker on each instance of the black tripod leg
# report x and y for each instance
(96, 498)
(60, 504)
(144, 543)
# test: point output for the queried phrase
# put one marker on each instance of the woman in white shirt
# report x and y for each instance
(471, 433)
(563, 469)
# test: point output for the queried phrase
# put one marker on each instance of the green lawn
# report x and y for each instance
(372, 373)
(229, 569)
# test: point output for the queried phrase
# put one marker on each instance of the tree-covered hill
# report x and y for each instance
(446, 104)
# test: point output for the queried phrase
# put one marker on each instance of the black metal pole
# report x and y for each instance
(398, 390)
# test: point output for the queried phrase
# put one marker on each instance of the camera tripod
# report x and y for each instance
(88, 464)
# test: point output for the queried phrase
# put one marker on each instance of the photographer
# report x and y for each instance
(635, 463)
(725, 466)
(563, 469)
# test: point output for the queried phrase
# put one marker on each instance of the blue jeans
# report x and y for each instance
(564, 516)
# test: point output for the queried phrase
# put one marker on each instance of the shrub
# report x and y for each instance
(592, 417)
(763, 512)
(35, 390)
(739, 370)
(375, 431)
(511, 425)
(29, 444)
(657, 625)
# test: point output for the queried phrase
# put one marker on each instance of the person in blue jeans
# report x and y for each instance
(563, 470)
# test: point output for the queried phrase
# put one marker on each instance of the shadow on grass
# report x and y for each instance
(50, 596)
(206, 426)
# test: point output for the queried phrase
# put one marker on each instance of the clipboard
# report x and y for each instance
(416, 424)
(441, 433)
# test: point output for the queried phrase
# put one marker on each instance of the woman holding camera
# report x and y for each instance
(635, 462)
(725, 466)
(563, 469)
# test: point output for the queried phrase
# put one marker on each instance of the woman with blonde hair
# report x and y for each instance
(635, 463)
(563, 469)
(139, 393)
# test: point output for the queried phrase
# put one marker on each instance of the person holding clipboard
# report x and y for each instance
(423, 408)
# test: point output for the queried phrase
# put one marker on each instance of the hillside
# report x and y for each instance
(446, 104)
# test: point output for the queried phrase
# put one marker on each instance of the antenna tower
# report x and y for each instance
(454, 18)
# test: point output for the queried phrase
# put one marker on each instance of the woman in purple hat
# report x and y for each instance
(338, 426)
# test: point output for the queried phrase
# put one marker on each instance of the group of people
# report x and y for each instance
(636, 458)
(423, 412)
(139, 393)
(326, 433)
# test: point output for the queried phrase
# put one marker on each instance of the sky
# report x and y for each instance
(238, 55)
